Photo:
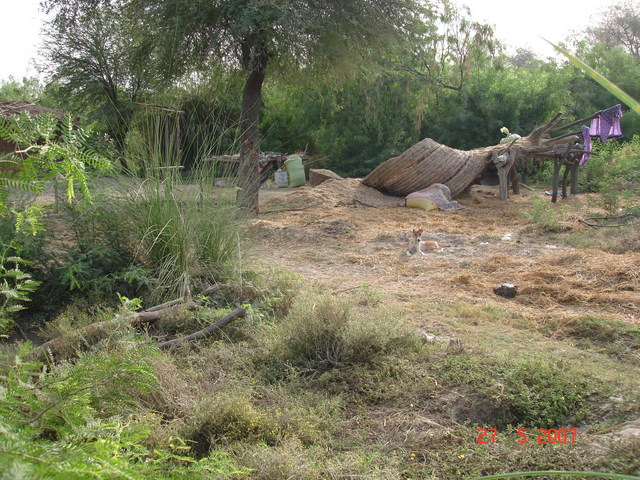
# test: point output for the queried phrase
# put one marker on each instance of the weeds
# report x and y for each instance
(525, 392)
(65, 421)
(323, 333)
(611, 336)
(619, 240)
(545, 215)
(187, 234)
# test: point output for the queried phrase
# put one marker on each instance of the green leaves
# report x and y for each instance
(50, 148)
(601, 79)
(15, 287)
(83, 420)
(47, 149)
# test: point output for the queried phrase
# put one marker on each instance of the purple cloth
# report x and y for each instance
(586, 139)
(607, 124)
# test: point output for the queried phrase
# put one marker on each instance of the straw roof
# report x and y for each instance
(18, 107)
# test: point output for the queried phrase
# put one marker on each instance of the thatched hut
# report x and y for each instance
(429, 162)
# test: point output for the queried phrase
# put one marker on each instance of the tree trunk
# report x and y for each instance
(249, 175)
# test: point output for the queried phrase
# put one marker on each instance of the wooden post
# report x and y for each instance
(556, 180)
(504, 164)
(565, 177)
(575, 168)
(515, 184)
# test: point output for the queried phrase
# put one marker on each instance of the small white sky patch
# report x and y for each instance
(19, 37)
(520, 24)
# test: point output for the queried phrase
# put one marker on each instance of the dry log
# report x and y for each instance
(205, 332)
(91, 334)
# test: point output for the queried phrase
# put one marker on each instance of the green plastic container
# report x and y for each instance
(295, 170)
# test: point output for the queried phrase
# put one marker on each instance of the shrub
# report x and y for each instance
(322, 333)
(74, 421)
(545, 215)
(526, 392)
(227, 419)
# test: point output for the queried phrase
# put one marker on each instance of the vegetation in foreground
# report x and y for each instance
(309, 385)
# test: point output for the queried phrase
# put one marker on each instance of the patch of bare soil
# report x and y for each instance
(342, 234)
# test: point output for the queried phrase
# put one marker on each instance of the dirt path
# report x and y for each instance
(343, 235)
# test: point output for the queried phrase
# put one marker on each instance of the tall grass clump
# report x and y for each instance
(322, 333)
(186, 231)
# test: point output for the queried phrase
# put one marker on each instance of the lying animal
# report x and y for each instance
(417, 245)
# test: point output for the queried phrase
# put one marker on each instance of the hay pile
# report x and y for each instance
(558, 280)
(332, 193)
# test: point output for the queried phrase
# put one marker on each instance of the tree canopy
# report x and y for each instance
(294, 34)
(354, 82)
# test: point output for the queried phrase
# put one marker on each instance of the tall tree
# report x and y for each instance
(447, 56)
(102, 56)
(257, 35)
(620, 26)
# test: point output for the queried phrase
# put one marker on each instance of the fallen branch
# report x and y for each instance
(97, 331)
(623, 217)
(206, 332)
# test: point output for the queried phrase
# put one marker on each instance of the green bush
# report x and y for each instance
(545, 215)
(617, 167)
(226, 420)
(322, 333)
(526, 392)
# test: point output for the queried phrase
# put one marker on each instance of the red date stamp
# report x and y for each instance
(544, 435)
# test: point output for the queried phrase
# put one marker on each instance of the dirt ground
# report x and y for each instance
(342, 235)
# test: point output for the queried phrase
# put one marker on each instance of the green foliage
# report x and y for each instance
(545, 215)
(601, 79)
(614, 172)
(611, 336)
(524, 392)
(230, 420)
(30, 89)
(182, 229)
(74, 421)
(16, 286)
(620, 240)
(52, 147)
(186, 242)
(100, 269)
(104, 61)
(323, 333)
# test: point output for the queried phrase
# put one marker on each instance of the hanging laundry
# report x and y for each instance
(586, 139)
(607, 124)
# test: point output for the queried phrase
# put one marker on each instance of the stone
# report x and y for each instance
(506, 290)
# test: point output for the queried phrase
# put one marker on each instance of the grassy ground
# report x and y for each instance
(357, 361)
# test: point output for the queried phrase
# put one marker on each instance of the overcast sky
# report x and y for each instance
(518, 24)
